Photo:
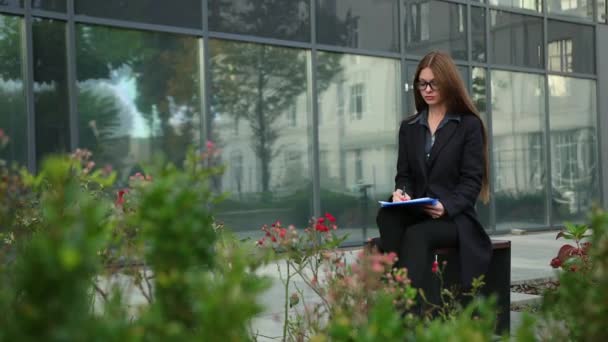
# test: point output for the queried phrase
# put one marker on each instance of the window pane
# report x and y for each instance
(516, 39)
(50, 88)
(574, 165)
(478, 95)
(574, 8)
(254, 90)
(357, 138)
(50, 5)
(601, 11)
(11, 3)
(534, 5)
(478, 33)
(362, 24)
(187, 14)
(285, 19)
(138, 95)
(571, 47)
(518, 123)
(13, 119)
(436, 25)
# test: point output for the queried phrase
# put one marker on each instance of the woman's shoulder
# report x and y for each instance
(411, 119)
(471, 120)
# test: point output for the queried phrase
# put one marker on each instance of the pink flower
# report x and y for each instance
(210, 145)
(435, 267)
(377, 267)
(260, 242)
(282, 232)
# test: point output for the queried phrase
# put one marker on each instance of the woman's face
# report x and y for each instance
(428, 87)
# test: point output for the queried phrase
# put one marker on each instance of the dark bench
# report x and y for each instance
(497, 279)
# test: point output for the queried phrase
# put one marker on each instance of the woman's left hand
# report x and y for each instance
(435, 211)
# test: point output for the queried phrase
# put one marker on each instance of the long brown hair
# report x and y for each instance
(457, 100)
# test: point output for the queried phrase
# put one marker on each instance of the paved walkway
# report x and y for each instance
(530, 257)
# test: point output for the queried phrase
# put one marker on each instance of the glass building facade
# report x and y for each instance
(304, 97)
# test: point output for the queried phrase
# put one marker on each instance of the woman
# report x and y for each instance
(442, 154)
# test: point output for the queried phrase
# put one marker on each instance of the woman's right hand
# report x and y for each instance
(400, 196)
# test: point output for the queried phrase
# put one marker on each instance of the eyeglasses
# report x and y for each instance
(423, 84)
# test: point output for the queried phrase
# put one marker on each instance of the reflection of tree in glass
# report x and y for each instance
(12, 111)
(102, 119)
(283, 19)
(165, 70)
(259, 83)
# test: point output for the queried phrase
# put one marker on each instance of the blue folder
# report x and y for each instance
(416, 201)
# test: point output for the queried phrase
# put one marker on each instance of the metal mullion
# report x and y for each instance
(549, 190)
(568, 19)
(9, 10)
(205, 79)
(419, 57)
(460, 2)
(572, 75)
(259, 40)
(363, 52)
(598, 117)
(490, 128)
(489, 114)
(513, 68)
(79, 18)
(469, 35)
(49, 14)
(403, 23)
(480, 64)
(515, 10)
(28, 76)
(314, 105)
(72, 78)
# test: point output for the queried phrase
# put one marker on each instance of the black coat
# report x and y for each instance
(453, 174)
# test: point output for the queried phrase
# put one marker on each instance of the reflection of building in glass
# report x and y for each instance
(560, 55)
(357, 134)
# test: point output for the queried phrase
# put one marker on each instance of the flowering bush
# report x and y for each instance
(361, 299)
(200, 282)
(573, 258)
(577, 310)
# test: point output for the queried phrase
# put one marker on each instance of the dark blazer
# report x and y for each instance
(452, 173)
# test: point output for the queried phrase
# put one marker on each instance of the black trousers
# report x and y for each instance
(413, 235)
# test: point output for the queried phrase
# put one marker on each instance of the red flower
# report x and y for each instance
(282, 232)
(210, 145)
(320, 220)
(330, 217)
(120, 197)
(555, 262)
(320, 227)
(435, 267)
(260, 242)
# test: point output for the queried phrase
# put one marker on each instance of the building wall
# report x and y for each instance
(129, 80)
